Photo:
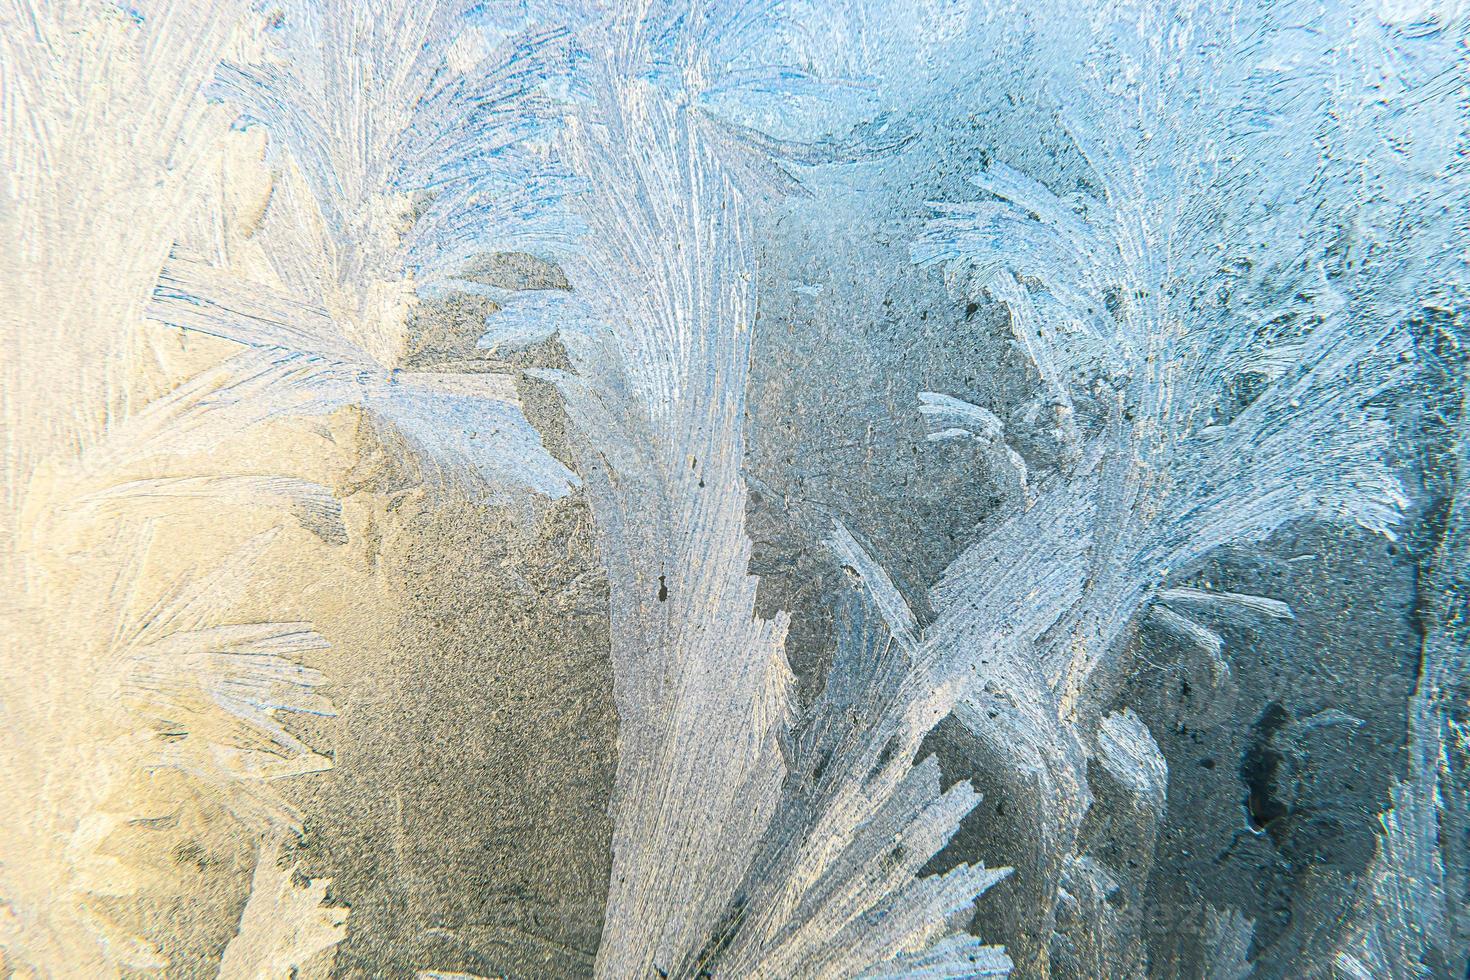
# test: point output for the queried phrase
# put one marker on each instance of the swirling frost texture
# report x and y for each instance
(713, 488)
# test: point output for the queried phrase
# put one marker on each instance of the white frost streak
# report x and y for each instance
(701, 683)
(286, 931)
(840, 893)
(1129, 754)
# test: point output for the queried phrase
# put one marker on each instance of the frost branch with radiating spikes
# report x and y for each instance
(838, 889)
(404, 144)
(1195, 267)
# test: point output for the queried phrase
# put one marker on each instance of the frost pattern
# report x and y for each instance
(1215, 356)
(413, 210)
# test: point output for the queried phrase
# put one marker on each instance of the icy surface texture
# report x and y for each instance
(735, 488)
